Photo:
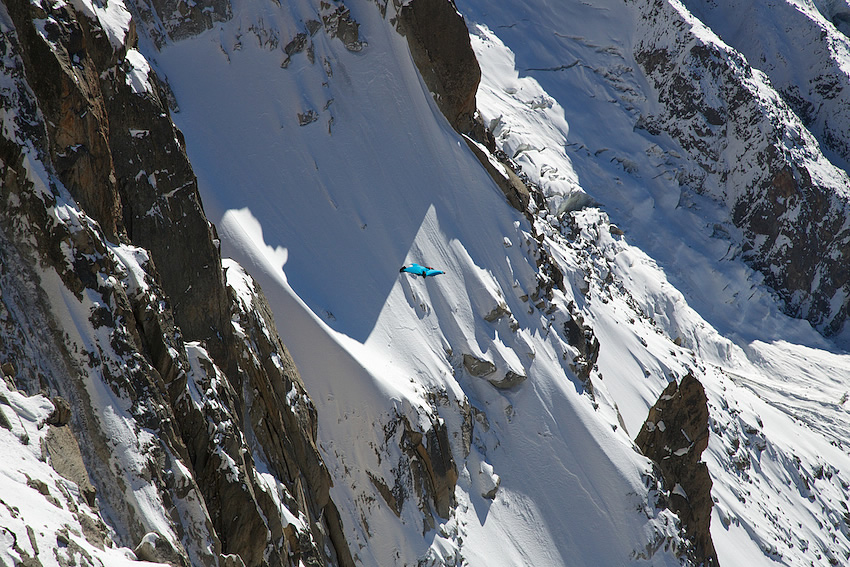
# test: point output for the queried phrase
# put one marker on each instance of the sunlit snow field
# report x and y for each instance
(324, 214)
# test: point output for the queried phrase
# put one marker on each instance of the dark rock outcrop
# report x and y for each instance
(485, 369)
(581, 336)
(157, 549)
(425, 474)
(440, 46)
(509, 380)
(478, 367)
(67, 85)
(435, 455)
(674, 436)
(162, 207)
(339, 24)
(64, 453)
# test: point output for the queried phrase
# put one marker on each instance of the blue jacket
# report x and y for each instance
(423, 271)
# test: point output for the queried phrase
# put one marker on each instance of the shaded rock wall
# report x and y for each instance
(425, 473)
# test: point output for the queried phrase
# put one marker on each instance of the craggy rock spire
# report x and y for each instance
(674, 436)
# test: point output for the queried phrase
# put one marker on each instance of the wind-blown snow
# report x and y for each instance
(324, 177)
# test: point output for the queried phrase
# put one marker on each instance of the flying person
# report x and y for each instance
(423, 271)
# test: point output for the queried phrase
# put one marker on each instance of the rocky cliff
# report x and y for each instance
(747, 148)
(197, 440)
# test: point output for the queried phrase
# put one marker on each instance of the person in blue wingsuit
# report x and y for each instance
(423, 271)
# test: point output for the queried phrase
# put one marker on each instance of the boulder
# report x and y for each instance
(510, 380)
(64, 455)
(581, 336)
(490, 481)
(156, 549)
(477, 366)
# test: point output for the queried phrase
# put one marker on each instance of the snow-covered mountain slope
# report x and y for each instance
(692, 119)
(755, 361)
(377, 181)
(327, 168)
(493, 415)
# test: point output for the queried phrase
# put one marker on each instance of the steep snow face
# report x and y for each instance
(326, 169)
(326, 166)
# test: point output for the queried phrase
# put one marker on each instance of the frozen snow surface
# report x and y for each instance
(44, 519)
(326, 169)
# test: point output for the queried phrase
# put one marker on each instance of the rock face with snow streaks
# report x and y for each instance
(194, 427)
(748, 149)
(69, 54)
(812, 78)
